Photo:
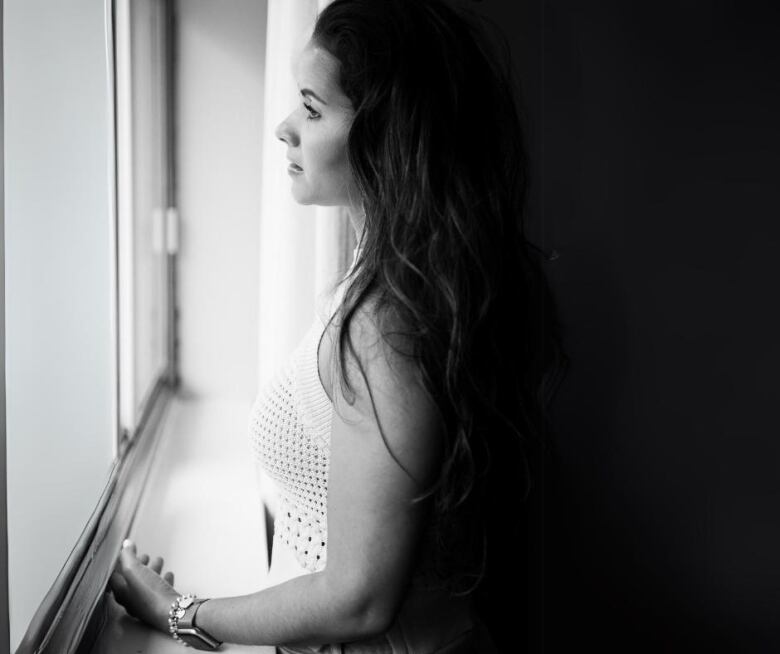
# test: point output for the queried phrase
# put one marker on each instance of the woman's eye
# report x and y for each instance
(312, 113)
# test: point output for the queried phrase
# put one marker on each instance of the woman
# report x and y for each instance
(413, 405)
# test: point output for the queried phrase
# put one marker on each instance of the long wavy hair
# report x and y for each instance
(437, 151)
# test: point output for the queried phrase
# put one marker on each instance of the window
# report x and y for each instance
(89, 252)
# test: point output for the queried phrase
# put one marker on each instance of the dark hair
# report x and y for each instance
(436, 149)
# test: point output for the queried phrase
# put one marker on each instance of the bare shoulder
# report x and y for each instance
(386, 391)
(380, 360)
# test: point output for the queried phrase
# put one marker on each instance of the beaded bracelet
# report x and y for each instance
(178, 607)
(188, 633)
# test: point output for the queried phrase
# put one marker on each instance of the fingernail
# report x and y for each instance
(126, 543)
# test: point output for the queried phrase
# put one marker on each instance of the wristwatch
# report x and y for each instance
(186, 629)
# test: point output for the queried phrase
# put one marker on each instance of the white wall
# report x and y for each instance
(59, 285)
(219, 117)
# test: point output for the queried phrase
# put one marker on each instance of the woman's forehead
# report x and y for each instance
(316, 69)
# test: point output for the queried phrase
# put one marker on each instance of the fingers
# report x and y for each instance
(127, 557)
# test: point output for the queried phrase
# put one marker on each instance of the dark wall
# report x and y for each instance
(654, 144)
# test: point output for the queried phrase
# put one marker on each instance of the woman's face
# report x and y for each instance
(316, 133)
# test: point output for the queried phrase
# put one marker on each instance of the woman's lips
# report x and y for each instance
(294, 168)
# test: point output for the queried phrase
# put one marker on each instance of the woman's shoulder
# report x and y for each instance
(380, 339)
(385, 385)
(374, 352)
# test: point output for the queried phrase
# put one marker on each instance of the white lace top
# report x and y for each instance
(289, 429)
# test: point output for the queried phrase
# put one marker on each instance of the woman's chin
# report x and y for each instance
(299, 196)
(303, 201)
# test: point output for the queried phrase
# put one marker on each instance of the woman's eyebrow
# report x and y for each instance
(310, 93)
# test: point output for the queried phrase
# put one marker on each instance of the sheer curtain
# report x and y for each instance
(303, 249)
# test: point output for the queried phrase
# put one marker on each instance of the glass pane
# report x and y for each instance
(60, 285)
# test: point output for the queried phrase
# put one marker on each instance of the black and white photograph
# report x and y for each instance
(389, 326)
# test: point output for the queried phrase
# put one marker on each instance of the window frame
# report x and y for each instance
(5, 635)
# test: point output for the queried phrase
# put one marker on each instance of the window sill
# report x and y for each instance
(201, 511)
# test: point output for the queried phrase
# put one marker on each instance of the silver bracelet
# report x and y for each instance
(178, 607)
(184, 609)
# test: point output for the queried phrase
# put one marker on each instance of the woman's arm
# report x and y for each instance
(373, 529)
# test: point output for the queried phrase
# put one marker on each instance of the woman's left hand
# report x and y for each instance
(138, 586)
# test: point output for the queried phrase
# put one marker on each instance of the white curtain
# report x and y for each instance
(303, 249)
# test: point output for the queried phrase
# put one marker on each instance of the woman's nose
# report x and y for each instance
(285, 132)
